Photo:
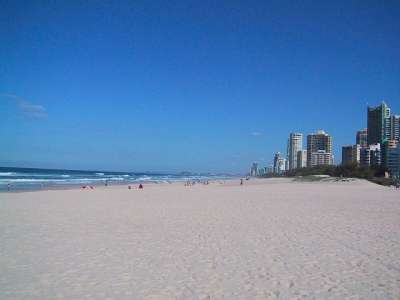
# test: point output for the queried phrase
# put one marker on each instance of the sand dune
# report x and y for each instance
(268, 239)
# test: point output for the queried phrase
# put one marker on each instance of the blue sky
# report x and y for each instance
(190, 85)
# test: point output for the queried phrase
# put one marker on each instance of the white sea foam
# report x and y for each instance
(28, 180)
(43, 180)
(7, 173)
(21, 179)
(86, 179)
(144, 178)
(116, 178)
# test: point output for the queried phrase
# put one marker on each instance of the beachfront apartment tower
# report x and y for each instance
(295, 144)
(393, 160)
(362, 138)
(301, 159)
(320, 158)
(386, 148)
(370, 156)
(378, 124)
(282, 164)
(254, 169)
(395, 127)
(320, 141)
(347, 155)
(279, 163)
(270, 169)
(277, 158)
(351, 154)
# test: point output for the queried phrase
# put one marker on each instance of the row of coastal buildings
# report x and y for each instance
(318, 152)
(378, 145)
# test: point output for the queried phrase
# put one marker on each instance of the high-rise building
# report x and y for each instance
(254, 169)
(387, 147)
(356, 153)
(282, 164)
(261, 171)
(279, 163)
(371, 155)
(321, 157)
(393, 161)
(277, 158)
(302, 159)
(295, 144)
(347, 155)
(378, 124)
(316, 142)
(365, 157)
(269, 169)
(351, 154)
(395, 127)
(362, 138)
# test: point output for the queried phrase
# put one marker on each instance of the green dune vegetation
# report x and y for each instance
(376, 174)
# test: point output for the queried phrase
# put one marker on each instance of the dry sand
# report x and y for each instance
(268, 239)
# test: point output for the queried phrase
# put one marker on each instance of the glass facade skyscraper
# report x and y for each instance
(395, 127)
(378, 124)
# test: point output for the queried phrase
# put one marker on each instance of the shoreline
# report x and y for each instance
(218, 182)
(109, 186)
(98, 184)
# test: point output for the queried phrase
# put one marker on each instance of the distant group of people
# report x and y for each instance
(193, 182)
(187, 183)
(88, 187)
(190, 183)
(140, 187)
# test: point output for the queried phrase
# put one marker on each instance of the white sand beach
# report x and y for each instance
(268, 239)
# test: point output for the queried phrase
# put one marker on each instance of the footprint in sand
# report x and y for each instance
(291, 284)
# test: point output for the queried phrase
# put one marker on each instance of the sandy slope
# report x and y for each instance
(270, 239)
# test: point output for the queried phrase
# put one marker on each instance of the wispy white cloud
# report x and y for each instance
(256, 133)
(26, 107)
(34, 110)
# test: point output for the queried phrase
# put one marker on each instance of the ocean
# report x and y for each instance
(16, 179)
